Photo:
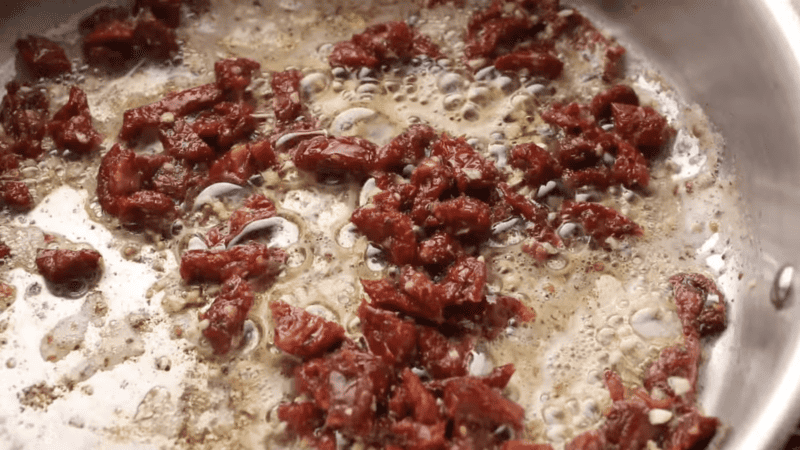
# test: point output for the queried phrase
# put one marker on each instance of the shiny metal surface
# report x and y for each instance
(740, 60)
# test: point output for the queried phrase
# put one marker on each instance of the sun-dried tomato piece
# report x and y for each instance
(406, 148)
(642, 126)
(630, 167)
(538, 164)
(168, 11)
(385, 294)
(439, 249)
(412, 399)
(43, 57)
(71, 126)
(227, 314)
(147, 208)
(675, 361)
(180, 141)
(418, 436)
(380, 44)
(250, 260)
(286, 100)
(431, 178)
(573, 118)
(392, 339)
(235, 74)
(524, 445)
(303, 334)
(601, 103)
(589, 440)
(390, 230)
(464, 282)
(5, 251)
(443, 357)
(23, 114)
(172, 106)
(110, 43)
(174, 180)
(301, 418)
(153, 38)
(118, 176)
(691, 431)
(489, 318)
(536, 63)
(335, 155)
(600, 222)
(627, 425)
(614, 63)
(599, 177)
(479, 410)
(691, 295)
(614, 385)
(499, 32)
(242, 162)
(61, 266)
(471, 170)
(225, 124)
(462, 216)
(256, 207)
(579, 153)
(16, 194)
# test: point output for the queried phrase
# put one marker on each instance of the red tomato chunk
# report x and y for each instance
(251, 260)
(227, 314)
(43, 57)
(63, 266)
(303, 334)
(71, 126)
(381, 44)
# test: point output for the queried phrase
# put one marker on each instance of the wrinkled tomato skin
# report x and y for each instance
(23, 114)
(71, 126)
(303, 334)
(181, 142)
(323, 155)
(471, 170)
(536, 63)
(406, 148)
(43, 57)
(439, 249)
(386, 295)
(599, 177)
(601, 103)
(537, 163)
(227, 314)
(235, 74)
(463, 216)
(60, 266)
(440, 356)
(381, 44)
(241, 162)
(118, 176)
(413, 399)
(691, 292)
(392, 339)
(286, 101)
(251, 260)
(599, 221)
(630, 167)
(148, 208)
(390, 230)
(641, 126)
(15, 194)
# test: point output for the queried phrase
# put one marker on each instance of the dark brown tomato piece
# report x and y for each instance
(242, 161)
(167, 11)
(439, 249)
(692, 293)
(301, 418)
(227, 314)
(286, 101)
(102, 15)
(443, 357)
(691, 431)
(173, 105)
(630, 167)
(463, 216)
(341, 155)
(110, 43)
(538, 64)
(61, 266)
(642, 126)
(406, 148)
(148, 209)
(303, 334)
(15, 194)
(226, 124)
(386, 295)
(471, 170)
(614, 64)
(251, 260)
(600, 222)
(71, 126)
(153, 38)
(538, 164)
(392, 339)
(601, 103)
(43, 57)
(390, 230)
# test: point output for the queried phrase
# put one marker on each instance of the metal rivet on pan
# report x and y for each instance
(782, 286)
